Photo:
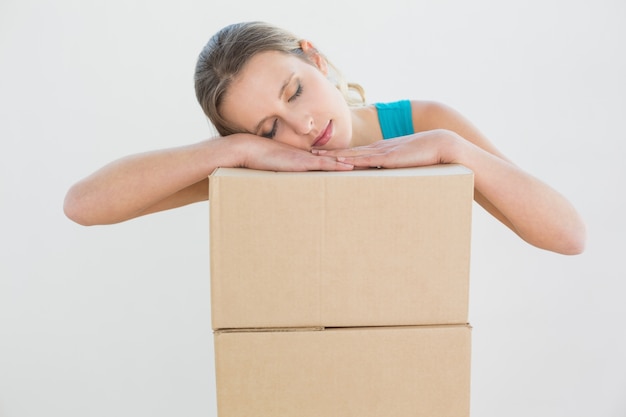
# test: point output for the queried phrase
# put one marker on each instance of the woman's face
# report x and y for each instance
(284, 98)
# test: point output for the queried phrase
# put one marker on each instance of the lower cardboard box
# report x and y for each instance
(342, 372)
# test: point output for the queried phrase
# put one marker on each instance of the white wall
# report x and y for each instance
(115, 320)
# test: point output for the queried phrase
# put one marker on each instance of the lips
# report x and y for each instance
(323, 138)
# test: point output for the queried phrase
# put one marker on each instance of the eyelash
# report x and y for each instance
(296, 94)
(272, 133)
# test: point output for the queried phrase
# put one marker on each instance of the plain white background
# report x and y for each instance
(115, 320)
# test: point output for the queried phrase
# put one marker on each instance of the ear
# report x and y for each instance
(314, 56)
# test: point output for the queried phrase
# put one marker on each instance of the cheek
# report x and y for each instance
(292, 139)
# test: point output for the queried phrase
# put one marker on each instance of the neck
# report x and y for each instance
(365, 126)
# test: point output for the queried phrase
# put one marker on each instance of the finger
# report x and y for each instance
(351, 152)
(316, 163)
(333, 164)
(370, 160)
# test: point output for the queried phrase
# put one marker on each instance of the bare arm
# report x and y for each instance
(532, 209)
(163, 179)
(529, 207)
(536, 212)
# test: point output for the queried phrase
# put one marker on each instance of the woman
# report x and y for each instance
(278, 104)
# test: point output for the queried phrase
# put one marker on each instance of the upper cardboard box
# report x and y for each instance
(340, 249)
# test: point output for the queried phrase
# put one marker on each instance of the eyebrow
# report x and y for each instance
(280, 94)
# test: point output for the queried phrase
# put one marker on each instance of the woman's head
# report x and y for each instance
(228, 52)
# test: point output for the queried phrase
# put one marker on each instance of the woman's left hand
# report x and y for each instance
(420, 149)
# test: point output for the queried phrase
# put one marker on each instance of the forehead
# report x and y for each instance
(269, 59)
(250, 96)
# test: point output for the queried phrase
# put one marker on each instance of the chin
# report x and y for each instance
(339, 142)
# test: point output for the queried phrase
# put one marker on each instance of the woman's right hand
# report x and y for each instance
(266, 154)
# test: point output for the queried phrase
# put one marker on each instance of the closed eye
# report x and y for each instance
(296, 94)
(271, 133)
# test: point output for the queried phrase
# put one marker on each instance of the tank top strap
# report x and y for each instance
(395, 118)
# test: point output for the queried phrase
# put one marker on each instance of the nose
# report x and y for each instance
(302, 124)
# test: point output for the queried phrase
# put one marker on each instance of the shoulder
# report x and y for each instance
(429, 115)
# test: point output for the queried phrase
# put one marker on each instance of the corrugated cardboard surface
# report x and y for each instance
(355, 372)
(340, 249)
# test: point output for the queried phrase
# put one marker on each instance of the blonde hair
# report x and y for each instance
(226, 53)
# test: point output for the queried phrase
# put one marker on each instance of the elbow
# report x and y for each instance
(570, 248)
(568, 239)
(575, 242)
(72, 211)
(577, 236)
(571, 241)
(75, 209)
(86, 208)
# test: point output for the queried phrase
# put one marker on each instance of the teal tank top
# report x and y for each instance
(395, 118)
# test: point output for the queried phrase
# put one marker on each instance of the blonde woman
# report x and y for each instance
(278, 104)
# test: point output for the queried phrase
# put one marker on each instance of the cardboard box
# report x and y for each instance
(353, 372)
(340, 249)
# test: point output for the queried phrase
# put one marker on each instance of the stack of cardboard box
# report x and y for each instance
(341, 293)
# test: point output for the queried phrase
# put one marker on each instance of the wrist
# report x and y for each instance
(224, 151)
(453, 148)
